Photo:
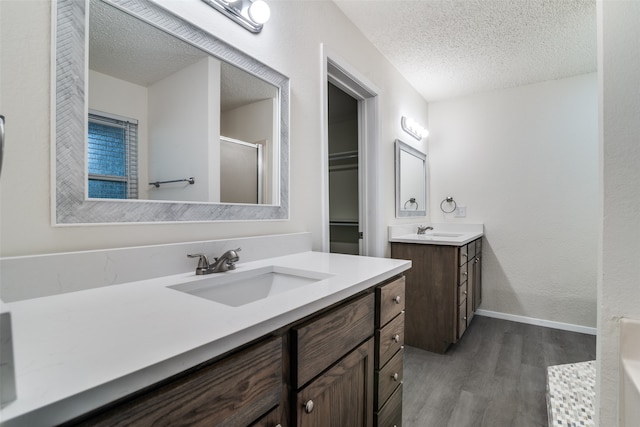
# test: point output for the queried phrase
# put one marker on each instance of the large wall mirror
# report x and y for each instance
(411, 181)
(174, 125)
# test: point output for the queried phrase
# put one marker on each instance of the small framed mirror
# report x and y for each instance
(411, 181)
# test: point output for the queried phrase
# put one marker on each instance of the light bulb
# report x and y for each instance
(259, 11)
(410, 123)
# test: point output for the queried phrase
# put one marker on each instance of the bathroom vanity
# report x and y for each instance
(140, 352)
(444, 285)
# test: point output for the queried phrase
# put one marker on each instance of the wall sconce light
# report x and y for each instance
(251, 14)
(413, 128)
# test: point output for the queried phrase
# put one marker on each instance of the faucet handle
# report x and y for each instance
(203, 262)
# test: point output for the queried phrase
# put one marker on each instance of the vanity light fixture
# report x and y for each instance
(251, 14)
(413, 128)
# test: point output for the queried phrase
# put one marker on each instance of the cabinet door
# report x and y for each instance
(477, 280)
(471, 286)
(342, 396)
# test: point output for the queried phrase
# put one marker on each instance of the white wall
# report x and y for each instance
(183, 141)
(619, 275)
(290, 43)
(115, 96)
(524, 162)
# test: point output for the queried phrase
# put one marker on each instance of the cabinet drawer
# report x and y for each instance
(324, 340)
(390, 301)
(463, 255)
(462, 292)
(234, 391)
(389, 378)
(464, 273)
(391, 413)
(389, 340)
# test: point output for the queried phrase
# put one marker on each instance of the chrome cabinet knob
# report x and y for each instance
(396, 338)
(395, 376)
(477, 260)
(308, 407)
(465, 292)
(397, 299)
(465, 317)
(279, 425)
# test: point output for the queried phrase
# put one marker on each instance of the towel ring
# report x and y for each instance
(448, 200)
(411, 201)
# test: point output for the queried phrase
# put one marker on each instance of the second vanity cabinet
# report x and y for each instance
(339, 367)
(443, 291)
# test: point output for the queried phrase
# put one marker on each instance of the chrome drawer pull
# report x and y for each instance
(397, 299)
(308, 407)
(395, 376)
(465, 274)
(396, 338)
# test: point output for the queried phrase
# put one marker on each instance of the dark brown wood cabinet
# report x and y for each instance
(339, 367)
(443, 290)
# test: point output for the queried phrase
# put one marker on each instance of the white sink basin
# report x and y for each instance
(443, 234)
(238, 288)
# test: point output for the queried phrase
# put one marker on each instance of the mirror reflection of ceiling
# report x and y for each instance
(126, 48)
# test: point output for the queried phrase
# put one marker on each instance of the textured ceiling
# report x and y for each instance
(451, 48)
(126, 48)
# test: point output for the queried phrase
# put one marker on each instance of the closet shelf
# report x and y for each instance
(345, 223)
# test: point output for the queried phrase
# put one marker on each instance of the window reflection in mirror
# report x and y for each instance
(411, 181)
(183, 101)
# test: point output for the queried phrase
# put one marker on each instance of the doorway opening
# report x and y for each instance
(351, 203)
(344, 202)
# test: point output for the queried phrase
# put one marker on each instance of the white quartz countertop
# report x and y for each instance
(77, 351)
(441, 234)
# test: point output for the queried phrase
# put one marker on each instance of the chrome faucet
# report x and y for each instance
(226, 261)
(422, 229)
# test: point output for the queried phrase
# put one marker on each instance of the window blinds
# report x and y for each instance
(112, 157)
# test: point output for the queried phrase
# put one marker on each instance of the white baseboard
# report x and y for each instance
(538, 322)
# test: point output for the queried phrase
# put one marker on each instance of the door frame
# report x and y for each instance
(340, 73)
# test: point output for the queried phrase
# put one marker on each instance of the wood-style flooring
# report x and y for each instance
(495, 376)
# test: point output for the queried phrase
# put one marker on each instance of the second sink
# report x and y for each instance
(244, 287)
